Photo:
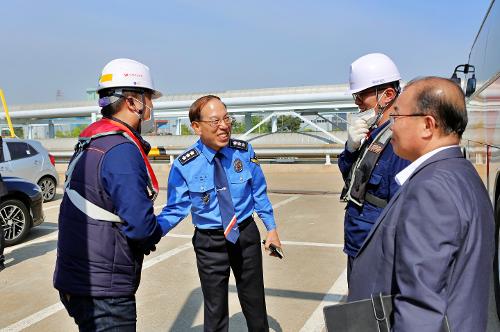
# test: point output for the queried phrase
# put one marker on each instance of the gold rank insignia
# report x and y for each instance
(206, 198)
(254, 159)
(238, 165)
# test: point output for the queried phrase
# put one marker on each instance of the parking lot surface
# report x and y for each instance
(312, 274)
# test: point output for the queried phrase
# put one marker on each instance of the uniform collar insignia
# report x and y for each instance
(238, 144)
(188, 156)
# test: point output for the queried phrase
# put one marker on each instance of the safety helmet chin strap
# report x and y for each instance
(381, 109)
(140, 113)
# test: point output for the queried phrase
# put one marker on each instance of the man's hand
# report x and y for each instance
(148, 245)
(272, 237)
(149, 250)
(355, 134)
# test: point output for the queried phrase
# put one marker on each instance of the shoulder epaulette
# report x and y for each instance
(238, 144)
(188, 156)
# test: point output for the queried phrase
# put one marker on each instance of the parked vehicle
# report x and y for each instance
(481, 84)
(28, 159)
(20, 208)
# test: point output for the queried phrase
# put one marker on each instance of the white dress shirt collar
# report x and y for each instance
(405, 174)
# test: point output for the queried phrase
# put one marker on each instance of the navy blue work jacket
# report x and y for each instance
(359, 220)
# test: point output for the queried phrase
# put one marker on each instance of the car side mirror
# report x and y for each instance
(471, 86)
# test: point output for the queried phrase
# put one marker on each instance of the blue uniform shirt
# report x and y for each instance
(358, 221)
(191, 188)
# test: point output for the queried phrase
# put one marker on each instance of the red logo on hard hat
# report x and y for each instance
(132, 74)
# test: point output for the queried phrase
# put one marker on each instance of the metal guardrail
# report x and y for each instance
(169, 153)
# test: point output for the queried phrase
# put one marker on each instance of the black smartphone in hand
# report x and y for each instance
(275, 250)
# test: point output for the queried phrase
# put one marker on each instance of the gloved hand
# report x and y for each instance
(148, 245)
(355, 134)
(149, 250)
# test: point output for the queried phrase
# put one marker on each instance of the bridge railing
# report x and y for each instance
(280, 153)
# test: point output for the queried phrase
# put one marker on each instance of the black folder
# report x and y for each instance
(374, 314)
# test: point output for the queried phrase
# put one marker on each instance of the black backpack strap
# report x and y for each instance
(362, 170)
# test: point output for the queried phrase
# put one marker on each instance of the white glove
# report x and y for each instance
(355, 134)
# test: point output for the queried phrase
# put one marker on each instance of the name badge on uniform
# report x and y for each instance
(376, 148)
(238, 165)
(206, 198)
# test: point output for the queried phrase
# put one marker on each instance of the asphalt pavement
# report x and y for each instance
(312, 274)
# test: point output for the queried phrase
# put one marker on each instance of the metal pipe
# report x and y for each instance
(234, 104)
(260, 151)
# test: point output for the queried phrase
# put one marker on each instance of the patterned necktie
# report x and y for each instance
(231, 231)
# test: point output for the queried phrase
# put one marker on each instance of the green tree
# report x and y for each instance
(18, 131)
(186, 130)
(75, 132)
(238, 128)
(263, 127)
(286, 123)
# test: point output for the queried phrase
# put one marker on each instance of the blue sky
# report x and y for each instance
(206, 46)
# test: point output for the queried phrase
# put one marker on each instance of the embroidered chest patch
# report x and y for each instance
(376, 148)
(238, 165)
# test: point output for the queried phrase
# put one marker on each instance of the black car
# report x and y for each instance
(20, 208)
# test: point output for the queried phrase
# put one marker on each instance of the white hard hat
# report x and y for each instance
(371, 70)
(127, 73)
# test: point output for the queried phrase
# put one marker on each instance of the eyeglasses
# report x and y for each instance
(394, 116)
(228, 120)
(359, 95)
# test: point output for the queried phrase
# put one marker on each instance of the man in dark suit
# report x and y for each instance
(432, 247)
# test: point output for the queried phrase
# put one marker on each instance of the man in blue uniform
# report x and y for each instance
(106, 220)
(220, 182)
(368, 163)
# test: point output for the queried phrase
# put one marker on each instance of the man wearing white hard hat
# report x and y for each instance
(368, 163)
(106, 220)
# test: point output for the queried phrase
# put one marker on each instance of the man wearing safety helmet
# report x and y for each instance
(106, 220)
(368, 163)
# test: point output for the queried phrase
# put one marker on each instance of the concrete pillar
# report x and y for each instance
(274, 126)
(178, 128)
(248, 121)
(93, 117)
(30, 132)
(327, 160)
(172, 158)
(52, 131)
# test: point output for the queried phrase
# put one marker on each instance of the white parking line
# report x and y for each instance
(313, 244)
(47, 227)
(51, 207)
(335, 295)
(45, 238)
(182, 236)
(160, 258)
(50, 310)
(35, 318)
(286, 201)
